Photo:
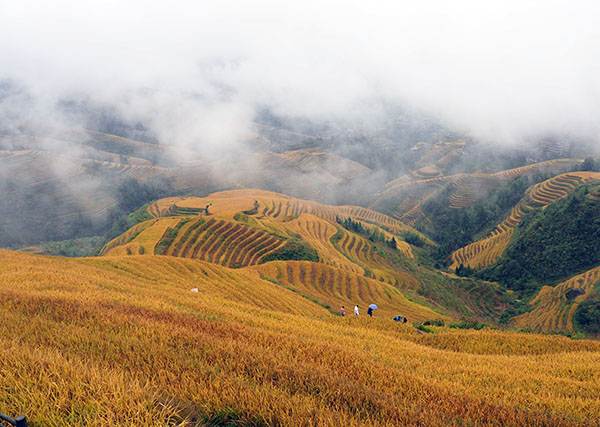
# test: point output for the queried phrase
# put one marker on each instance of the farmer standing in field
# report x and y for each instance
(343, 311)
(356, 310)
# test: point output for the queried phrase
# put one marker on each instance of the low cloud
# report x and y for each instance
(198, 72)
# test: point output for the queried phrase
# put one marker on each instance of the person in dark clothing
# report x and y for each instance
(370, 312)
(343, 311)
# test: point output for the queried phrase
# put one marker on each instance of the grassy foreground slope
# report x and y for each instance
(122, 340)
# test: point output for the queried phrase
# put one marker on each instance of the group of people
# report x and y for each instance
(356, 313)
(398, 318)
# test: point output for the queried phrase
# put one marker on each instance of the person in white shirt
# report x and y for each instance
(356, 310)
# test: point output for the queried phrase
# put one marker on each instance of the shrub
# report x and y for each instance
(587, 315)
(467, 323)
(295, 250)
(436, 322)
(413, 239)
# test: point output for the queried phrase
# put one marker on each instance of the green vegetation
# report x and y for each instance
(468, 323)
(551, 244)
(81, 247)
(375, 234)
(252, 211)
(454, 228)
(590, 164)
(413, 238)
(293, 250)
(463, 271)
(125, 222)
(166, 240)
(245, 219)
(587, 315)
(134, 197)
(168, 237)
(422, 327)
(436, 322)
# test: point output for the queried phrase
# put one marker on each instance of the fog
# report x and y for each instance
(198, 72)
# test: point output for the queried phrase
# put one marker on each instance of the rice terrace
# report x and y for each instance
(299, 213)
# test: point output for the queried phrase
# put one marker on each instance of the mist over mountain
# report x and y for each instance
(197, 76)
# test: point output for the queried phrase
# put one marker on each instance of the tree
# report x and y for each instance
(589, 164)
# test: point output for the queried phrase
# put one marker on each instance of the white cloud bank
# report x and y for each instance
(199, 69)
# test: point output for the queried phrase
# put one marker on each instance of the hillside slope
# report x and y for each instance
(250, 227)
(553, 243)
(403, 198)
(488, 250)
(122, 340)
(554, 306)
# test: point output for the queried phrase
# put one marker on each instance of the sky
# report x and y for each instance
(198, 71)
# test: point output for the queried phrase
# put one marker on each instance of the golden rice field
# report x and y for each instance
(484, 252)
(231, 239)
(361, 252)
(553, 311)
(123, 341)
(334, 288)
(276, 206)
(221, 239)
(126, 237)
(318, 233)
(487, 251)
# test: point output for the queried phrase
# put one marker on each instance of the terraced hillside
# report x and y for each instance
(275, 206)
(250, 227)
(439, 156)
(403, 198)
(73, 183)
(98, 341)
(553, 309)
(361, 252)
(212, 239)
(324, 163)
(47, 196)
(318, 233)
(468, 188)
(487, 251)
(336, 287)
(273, 218)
